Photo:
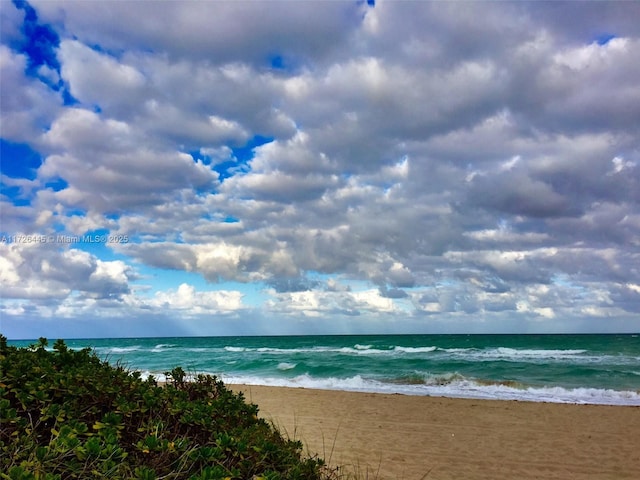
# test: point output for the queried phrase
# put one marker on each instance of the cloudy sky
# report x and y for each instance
(279, 167)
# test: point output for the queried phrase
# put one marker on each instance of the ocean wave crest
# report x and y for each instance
(108, 350)
(415, 349)
(516, 354)
(235, 349)
(286, 366)
(451, 385)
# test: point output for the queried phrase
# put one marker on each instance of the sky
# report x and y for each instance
(335, 167)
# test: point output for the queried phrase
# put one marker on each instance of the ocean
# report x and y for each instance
(598, 369)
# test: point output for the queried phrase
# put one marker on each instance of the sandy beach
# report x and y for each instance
(412, 437)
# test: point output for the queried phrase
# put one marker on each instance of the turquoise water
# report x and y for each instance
(602, 369)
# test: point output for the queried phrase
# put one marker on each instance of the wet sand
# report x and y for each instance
(379, 436)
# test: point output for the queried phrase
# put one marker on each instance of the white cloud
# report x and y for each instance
(108, 166)
(504, 236)
(325, 303)
(210, 30)
(190, 301)
(373, 301)
(95, 78)
(28, 105)
(44, 272)
(593, 55)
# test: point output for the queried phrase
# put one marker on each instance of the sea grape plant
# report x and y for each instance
(68, 414)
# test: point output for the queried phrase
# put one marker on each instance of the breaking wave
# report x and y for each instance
(450, 385)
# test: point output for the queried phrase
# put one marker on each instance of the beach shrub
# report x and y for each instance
(67, 414)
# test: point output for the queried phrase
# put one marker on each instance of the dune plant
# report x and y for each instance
(67, 414)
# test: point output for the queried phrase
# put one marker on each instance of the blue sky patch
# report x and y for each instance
(98, 242)
(277, 62)
(14, 193)
(604, 38)
(243, 155)
(41, 41)
(69, 100)
(19, 160)
(57, 184)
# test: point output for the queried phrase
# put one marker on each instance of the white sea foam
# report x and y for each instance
(283, 351)
(235, 349)
(356, 383)
(287, 350)
(360, 351)
(160, 377)
(515, 354)
(415, 349)
(286, 366)
(357, 349)
(450, 385)
(500, 353)
(459, 350)
(536, 353)
(454, 387)
(161, 347)
(118, 349)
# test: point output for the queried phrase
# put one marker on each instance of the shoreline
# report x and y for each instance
(554, 394)
(396, 436)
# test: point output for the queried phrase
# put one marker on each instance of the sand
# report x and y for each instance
(408, 437)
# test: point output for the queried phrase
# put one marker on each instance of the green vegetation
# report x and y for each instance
(68, 414)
